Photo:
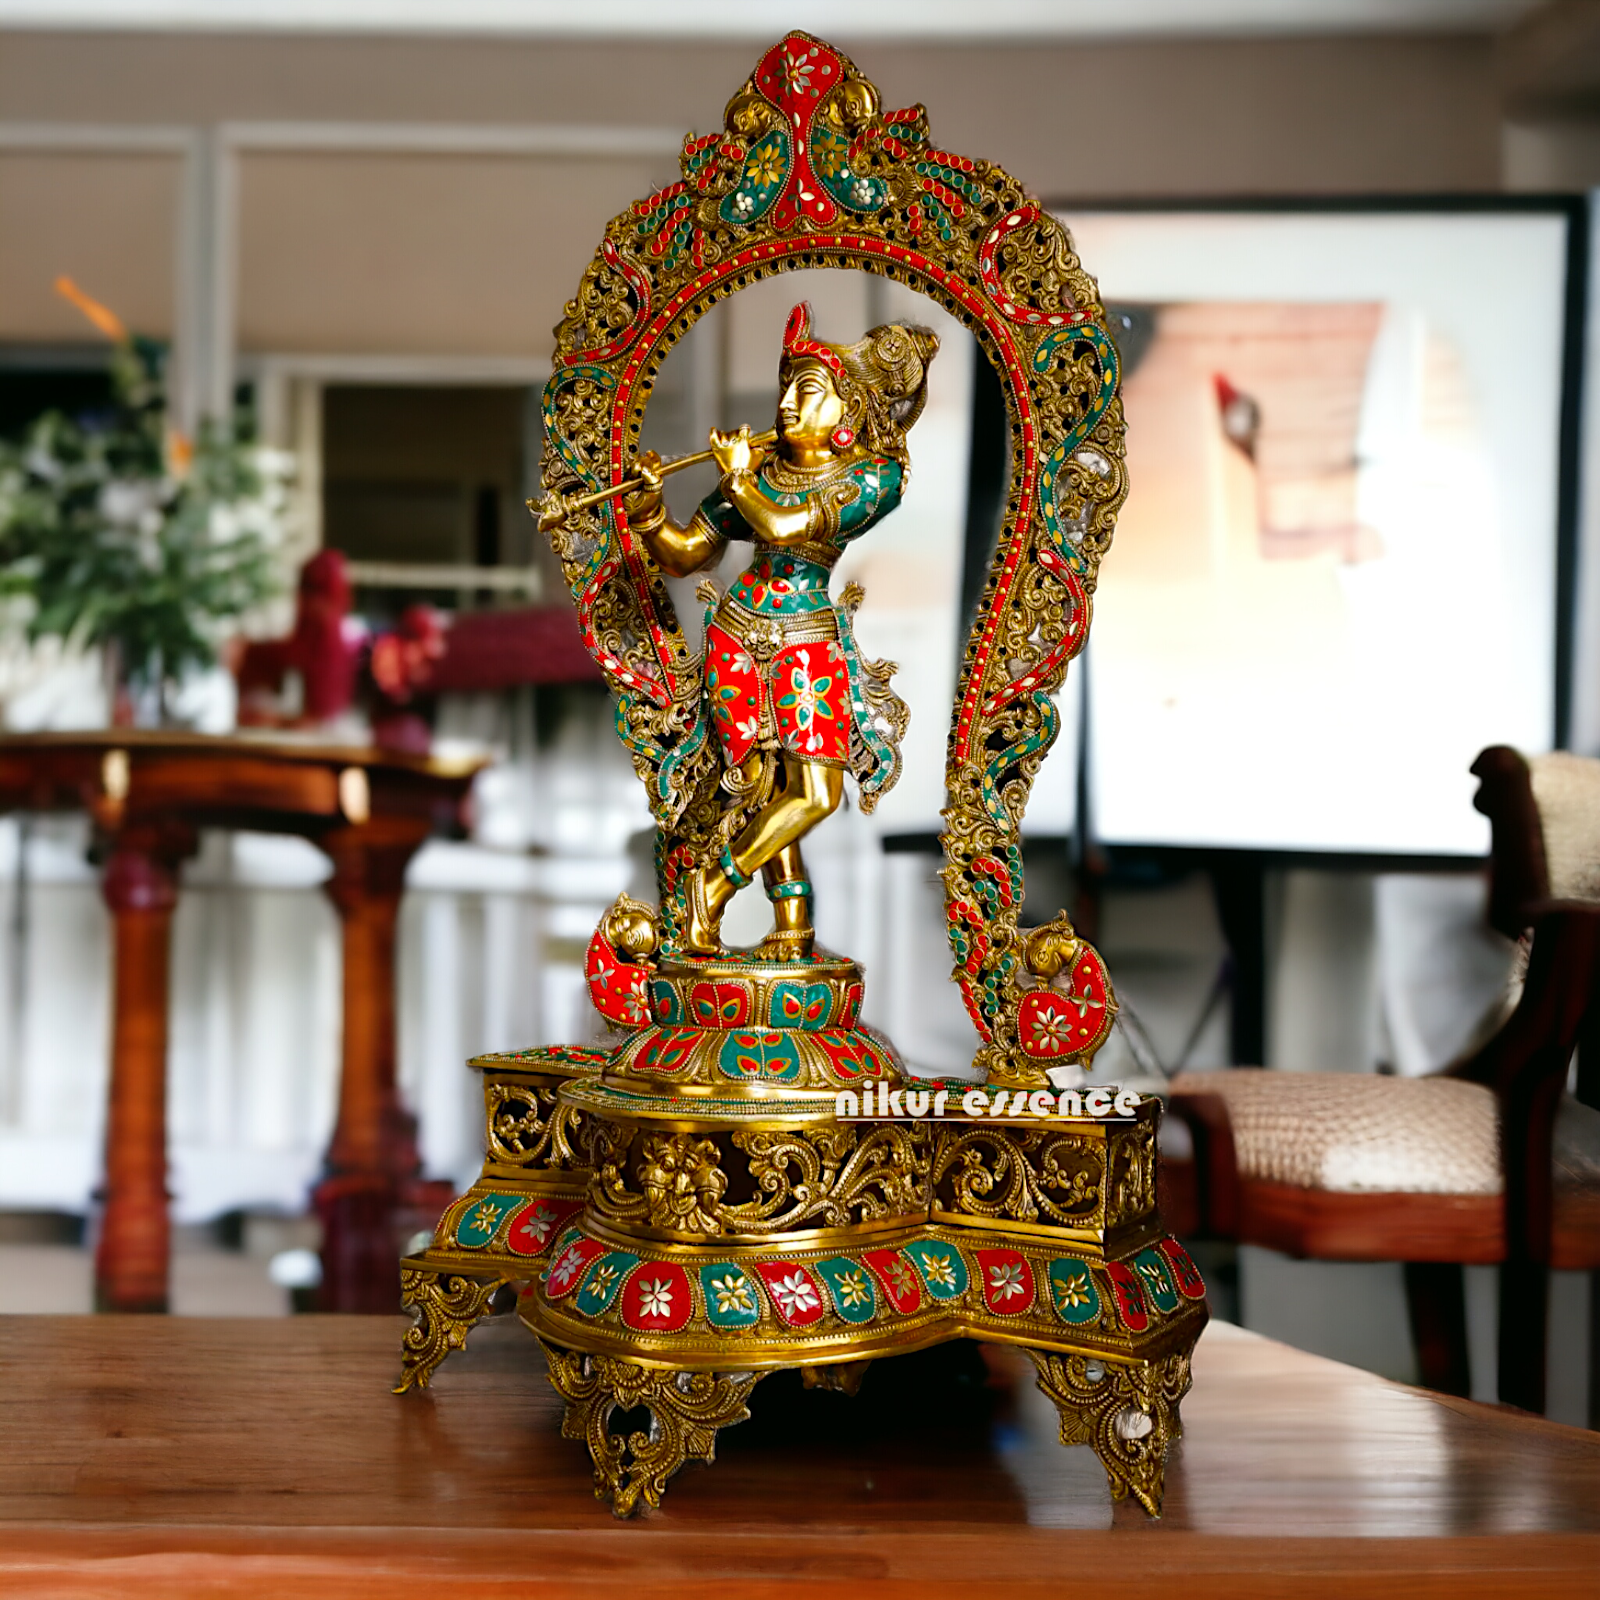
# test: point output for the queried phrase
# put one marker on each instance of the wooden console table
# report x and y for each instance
(149, 794)
(149, 1458)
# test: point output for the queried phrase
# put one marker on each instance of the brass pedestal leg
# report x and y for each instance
(687, 1409)
(1127, 1412)
(448, 1306)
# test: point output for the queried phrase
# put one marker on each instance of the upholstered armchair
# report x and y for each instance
(1489, 1161)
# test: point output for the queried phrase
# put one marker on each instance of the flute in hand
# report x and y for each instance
(553, 511)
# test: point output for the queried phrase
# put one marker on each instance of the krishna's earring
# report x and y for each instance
(842, 437)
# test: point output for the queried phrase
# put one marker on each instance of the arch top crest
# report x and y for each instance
(810, 170)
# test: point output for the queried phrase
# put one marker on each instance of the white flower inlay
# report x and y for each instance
(655, 1298)
(794, 1294)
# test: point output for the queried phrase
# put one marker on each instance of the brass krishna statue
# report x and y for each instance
(792, 703)
(741, 1175)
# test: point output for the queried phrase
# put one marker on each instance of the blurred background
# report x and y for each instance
(1343, 244)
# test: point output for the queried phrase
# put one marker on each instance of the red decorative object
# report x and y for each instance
(566, 1271)
(849, 1053)
(842, 438)
(538, 1224)
(670, 1051)
(1007, 1281)
(794, 1292)
(901, 1281)
(400, 666)
(324, 649)
(1047, 1025)
(1055, 1024)
(1131, 1305)
(1184, 1272)
(798, 343)
(720, 1005)
(805, 688)
(620, 989)
(850, 1015)
(486, 651)
(797, 75)
(656, 1298)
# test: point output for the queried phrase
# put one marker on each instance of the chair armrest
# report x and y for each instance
(1526, 1062)
(1562, 968)
(1519, 874)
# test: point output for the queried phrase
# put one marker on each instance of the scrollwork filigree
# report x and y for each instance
(818, 1177)
(1133, 1174)
(687, 1410)
(1128, 1413)
(526, 1126)
(1019, 1175)
(832, 1177)
(448, 1306)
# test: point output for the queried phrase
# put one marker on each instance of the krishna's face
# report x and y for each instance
(810, 408)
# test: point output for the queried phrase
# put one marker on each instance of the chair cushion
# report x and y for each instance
(1566, 789)
(1352, 1133)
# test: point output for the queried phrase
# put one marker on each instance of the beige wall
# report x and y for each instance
(1168, 117)
(475, 255)
(108, 221)
(439, 255)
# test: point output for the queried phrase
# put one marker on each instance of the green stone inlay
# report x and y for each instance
(1072, 1290)
(760, 1054)
(1156, 1277)
(942, 1268)
(786, 584)
(483, 1219)
(602, 1280)
(850, 1284)
(800, 1005)
(732, 1296)
(766, 170)
(666, 1006)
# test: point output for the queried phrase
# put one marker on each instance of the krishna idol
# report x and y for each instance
(791, 701)
(740, 1175)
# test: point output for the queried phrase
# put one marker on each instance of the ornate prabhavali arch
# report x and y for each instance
(685, 1208)
(810, 171)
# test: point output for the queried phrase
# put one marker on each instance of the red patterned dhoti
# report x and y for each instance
(797, 700)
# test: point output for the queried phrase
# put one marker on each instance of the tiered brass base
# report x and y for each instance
(671, 1247)
(498, 1235)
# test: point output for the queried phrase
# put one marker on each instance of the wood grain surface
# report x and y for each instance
(151, 1457)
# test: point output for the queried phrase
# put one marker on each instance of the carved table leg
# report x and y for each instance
(1128, 1413)
(686, 1411)
(373, 1157)
(140, 887)
(448, 1306)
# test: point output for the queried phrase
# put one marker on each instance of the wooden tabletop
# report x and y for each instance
(277, 782)
(150, 1456)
